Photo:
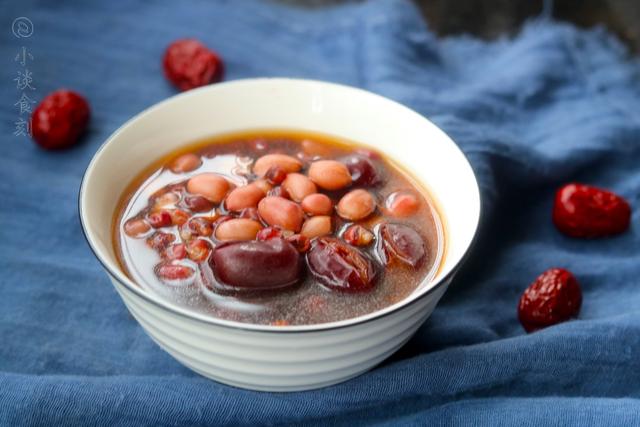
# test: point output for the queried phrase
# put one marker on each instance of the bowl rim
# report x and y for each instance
(131, 286)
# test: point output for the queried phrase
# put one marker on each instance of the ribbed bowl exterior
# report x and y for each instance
(279, 361)
(269, 357)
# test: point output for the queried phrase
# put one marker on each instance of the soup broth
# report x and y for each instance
(278, 227)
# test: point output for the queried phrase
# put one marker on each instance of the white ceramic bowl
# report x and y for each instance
(281, 358)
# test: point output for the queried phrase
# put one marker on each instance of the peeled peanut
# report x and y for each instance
(278, 211)
(330, 174)
(317, 226)
(317, 204)
(356, 205)
(313, 148)
(298, 186)
(243, 197)
(211, 186)
(287, 163)
(237, 229)
(185, 163)
(402, 204)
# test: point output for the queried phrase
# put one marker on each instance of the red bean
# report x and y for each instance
(198, 250)
(196, 227)
(175, 251)
(197, 204)
(159, 219)
(173, 273)
(159, 240)
(363, 172)
(178, 216)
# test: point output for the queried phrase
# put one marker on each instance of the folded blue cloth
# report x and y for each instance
(550, 105)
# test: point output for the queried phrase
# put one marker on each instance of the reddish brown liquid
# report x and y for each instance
(307, 302)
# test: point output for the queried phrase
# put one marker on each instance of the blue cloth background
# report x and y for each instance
(549, 105)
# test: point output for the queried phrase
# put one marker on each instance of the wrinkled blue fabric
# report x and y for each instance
(551, 104)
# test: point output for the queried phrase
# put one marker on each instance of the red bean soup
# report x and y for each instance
(278, 227)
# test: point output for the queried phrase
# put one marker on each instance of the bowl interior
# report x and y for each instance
(410, 139)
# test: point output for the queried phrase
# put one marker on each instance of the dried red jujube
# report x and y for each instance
(60, 119)
(363, 172)
(256, 265)
(399, 242)
(339, 266)
(188, 64)
(586, 211)
(554, 297)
